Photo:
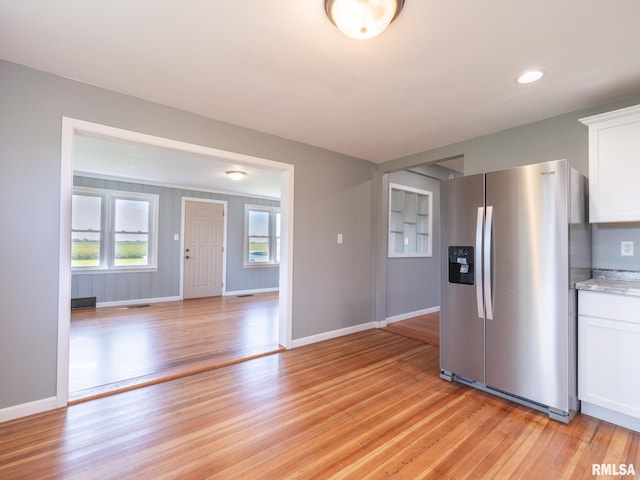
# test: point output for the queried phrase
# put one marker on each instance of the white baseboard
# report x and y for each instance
(26, 409)
(142, 301)
(250, 292)
(405, 316)
(611, 416)
(137, 301)
(299, 342)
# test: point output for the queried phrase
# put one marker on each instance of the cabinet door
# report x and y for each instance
(617, 194)
(614, 165)
(609, 352)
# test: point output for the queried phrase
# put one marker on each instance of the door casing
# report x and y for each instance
(71, 127)
(220, 255)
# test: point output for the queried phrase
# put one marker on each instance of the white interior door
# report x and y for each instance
(203, 242)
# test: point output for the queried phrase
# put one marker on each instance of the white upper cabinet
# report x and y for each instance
(614, 165)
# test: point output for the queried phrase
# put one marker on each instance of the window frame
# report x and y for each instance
(424, 216)
(107, 261)
(273, 237)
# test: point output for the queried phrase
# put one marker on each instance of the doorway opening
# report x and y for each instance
(72, 128)
(411, 282)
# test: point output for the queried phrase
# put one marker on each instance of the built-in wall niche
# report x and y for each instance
(410, 221)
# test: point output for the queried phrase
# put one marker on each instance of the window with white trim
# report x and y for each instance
(262, 235)
(113, 230)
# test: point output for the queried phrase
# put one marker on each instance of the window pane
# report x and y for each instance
(85, 212)
(85, 249)
(132, 216)
(258, 250)
(258, 224)
(131, 249)
(86, 225)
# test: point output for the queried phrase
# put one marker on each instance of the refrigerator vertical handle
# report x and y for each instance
(478, 262)
(488, 297)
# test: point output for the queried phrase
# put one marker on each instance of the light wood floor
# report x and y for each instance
(114, 349)
(367, 405)
(425, 328)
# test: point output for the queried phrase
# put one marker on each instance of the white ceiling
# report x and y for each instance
(443, 72)
(107, 158)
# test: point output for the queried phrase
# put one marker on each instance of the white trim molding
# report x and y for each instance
(26, 409)
(70, 128)
(250, 292)
(137, 301)
(405, 316)
(332, 334)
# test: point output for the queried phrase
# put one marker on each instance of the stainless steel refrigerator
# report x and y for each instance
(515, 243)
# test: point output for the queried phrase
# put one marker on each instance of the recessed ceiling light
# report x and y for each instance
(236, 174)
(530, 77)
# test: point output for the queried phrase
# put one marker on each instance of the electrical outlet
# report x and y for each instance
(626, 248)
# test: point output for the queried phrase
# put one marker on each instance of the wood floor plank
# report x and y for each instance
(368, 405)
(424, 328)
(116, 349)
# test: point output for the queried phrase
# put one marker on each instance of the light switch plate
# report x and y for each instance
(626, 248)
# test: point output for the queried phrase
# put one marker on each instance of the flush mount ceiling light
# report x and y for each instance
(236, 174)
(530, 77)
(362, 19)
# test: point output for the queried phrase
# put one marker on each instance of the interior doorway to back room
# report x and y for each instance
(207, 304)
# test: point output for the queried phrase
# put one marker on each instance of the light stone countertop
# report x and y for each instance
(613, 281)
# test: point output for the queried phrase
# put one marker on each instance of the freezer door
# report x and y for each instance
(527, 339)
(461, 324)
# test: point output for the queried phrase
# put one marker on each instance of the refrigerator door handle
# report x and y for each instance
(478, 260)
(488, 228)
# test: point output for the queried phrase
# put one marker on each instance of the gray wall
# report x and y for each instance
(333, 193)
(341, 203)
(165, 282)
(413, 284)
(606, 246)
(555, 138)
(334, 286)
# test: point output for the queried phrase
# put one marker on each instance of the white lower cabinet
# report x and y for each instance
(609, 357)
